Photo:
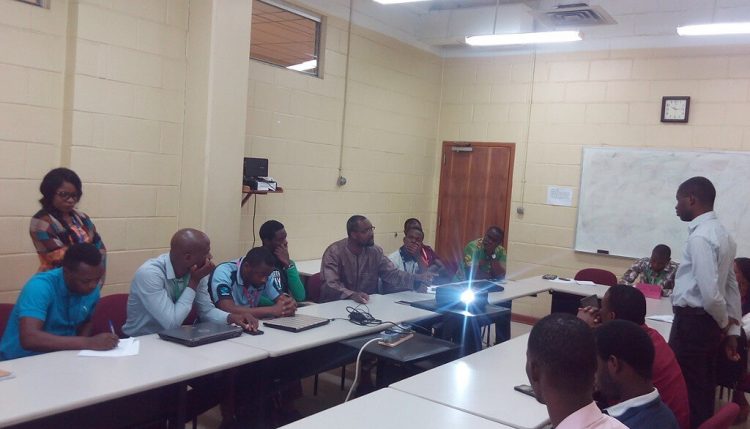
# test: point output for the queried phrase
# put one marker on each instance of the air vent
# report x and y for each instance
(574, 15)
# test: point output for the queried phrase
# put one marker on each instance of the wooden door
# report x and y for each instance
(475, 191)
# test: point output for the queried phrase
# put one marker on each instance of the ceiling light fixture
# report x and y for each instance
(307, 65)
(717, 29)
(397, 1)
(524, 38)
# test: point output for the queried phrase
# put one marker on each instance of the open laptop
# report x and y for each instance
(200, 333)
(296, 323)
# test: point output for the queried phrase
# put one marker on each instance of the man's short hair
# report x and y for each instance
(497, 230)
(259, 255)
(410, 220)
(628, 303)
(78, 253)
(269, 229)
(564, 347)
(353, 223)
(662, 251)
(627, 342)
(700, 188)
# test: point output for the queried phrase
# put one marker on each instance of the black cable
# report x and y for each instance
(255, 205)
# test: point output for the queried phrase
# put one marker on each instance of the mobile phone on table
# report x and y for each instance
(525, 389)
(590, 301)
(549, 276)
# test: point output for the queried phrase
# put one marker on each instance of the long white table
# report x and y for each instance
(56, 382)
(388, 408)
(482, 384)
(277, 342)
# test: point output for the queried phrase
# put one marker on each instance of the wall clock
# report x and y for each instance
(675, 109)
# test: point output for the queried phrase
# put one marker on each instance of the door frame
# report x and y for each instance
(509, 187)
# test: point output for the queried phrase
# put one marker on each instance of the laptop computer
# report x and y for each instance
(200, 333)
(296, 323)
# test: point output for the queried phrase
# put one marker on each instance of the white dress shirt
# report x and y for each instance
(705, 278)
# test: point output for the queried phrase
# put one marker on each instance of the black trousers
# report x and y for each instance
(695, 340)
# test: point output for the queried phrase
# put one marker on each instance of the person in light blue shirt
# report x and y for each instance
(706, 298)
(54, 309)
(237, 286)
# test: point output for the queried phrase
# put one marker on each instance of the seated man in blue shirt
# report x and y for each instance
(625, 356)
(54, 309)
(237, 286)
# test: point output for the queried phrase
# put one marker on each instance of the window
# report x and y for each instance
(285, 36)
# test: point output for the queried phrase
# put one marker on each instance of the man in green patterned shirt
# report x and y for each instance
(484, 258)
(659, 269)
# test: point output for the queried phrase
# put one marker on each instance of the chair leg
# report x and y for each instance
(343, 376)
(315, 385)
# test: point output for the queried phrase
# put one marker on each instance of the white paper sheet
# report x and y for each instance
(126, 347)
(669, 318)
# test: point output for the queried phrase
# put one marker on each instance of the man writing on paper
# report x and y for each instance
(351, 267)
(54, 309)
(706, 298)
(659, 269)
(165, 288)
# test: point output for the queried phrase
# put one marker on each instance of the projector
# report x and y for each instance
(454, 295)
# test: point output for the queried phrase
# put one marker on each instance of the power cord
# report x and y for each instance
(356, 368)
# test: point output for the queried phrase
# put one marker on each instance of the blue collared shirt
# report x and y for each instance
(46, 297)
(705, 278)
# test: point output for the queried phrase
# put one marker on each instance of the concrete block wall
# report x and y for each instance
(390, 125)
(601, 98)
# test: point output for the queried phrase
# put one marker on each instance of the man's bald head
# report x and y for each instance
(187, 239)
(189, 247)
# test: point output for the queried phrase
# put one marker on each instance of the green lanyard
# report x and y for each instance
(178, 286)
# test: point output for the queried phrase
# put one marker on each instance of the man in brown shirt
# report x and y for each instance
(351, 267)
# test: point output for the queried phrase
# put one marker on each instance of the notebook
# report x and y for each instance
(649, 290)
(200, 333)
(296, 323)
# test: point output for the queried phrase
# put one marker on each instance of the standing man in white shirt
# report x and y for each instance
(706, 298)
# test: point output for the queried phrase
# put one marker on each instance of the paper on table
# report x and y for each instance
(583, 282)
(558, 280)
(126, 347)
(669, 318)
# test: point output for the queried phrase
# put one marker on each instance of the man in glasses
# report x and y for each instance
(54, 309)
(351, 268)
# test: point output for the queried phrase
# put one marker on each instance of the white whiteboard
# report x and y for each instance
(627, 198)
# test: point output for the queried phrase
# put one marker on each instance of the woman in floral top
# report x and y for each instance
(58, 225)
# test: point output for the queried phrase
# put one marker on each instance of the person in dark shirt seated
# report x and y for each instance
(628, 303)
(560, 365)
(625, 358)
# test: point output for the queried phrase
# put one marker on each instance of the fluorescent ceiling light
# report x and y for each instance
(714, 29)
(307, 65)
(396, 1)
(524, 38)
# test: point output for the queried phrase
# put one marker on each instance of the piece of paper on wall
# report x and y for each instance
(559, 196)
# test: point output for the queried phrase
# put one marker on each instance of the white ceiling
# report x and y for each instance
(441, 25)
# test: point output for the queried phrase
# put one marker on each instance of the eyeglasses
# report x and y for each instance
(65, 195)
(363, 230)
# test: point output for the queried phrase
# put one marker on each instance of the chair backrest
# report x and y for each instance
(5, 310)
(112, 308)
(313, 287)
(598, 276)
(723, 418)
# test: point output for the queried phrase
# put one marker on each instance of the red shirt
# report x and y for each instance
(668, 378)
